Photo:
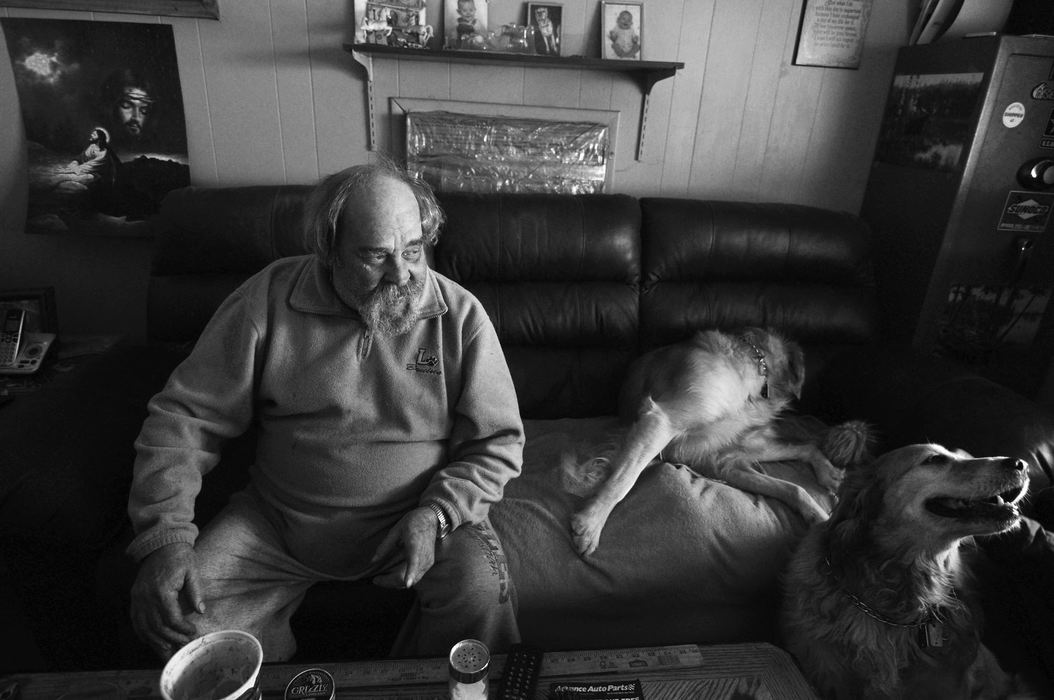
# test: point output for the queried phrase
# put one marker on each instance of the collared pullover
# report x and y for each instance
(353, 429)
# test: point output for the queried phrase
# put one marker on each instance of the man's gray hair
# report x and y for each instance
(329, 198)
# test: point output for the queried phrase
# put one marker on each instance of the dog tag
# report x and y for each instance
(931, 635)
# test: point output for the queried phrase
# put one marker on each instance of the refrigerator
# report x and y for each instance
(960, 199)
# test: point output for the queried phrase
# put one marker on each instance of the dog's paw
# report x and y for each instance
(585, 531)
(828, 476)
(812, 513)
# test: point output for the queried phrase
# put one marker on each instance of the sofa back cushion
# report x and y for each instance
(802, 270)
(559, 276)
(209, 241)
(577, 286)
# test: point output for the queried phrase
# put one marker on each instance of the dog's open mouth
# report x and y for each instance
(998, 506)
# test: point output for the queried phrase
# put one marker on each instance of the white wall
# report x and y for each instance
(272, 97)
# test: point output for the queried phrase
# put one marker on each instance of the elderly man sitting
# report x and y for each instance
(388, 426)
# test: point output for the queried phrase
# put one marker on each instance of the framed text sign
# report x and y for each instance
(172, 8)
(832, 33)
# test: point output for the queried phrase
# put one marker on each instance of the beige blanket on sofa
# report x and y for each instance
(683, 558)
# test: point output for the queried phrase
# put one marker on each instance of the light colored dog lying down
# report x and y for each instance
(712, 399)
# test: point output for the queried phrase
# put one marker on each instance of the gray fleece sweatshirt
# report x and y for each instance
(354, 430)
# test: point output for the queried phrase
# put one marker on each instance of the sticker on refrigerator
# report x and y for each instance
(1043, 91)
(1048, 133)
(1026, 211)
(1013, 115)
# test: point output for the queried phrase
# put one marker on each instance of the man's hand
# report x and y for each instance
(416, 532)
(166, 590)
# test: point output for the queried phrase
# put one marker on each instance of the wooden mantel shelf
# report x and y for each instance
(646, 73)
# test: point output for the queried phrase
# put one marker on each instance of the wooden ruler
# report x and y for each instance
(683, 672)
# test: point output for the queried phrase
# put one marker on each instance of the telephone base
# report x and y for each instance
(31, 354)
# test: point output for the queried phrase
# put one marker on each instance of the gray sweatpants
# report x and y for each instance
(252, 583)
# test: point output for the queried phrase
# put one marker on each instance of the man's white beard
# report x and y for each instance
(390, 309)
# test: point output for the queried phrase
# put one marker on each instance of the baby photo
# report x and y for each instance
(466, 24)
(620, 28)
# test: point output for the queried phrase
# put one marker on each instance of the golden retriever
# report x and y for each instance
(877, 598)
(710, 399)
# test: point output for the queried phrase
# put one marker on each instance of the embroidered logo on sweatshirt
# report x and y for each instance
(426, 362)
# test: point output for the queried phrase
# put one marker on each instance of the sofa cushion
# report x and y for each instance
(711, 264)
(683, 558)
(559, 278)
(209, 241)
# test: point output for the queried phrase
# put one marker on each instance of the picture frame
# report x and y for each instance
(831, 34)
(208, 9)
(39, 305)
(547, 18)
(621, 30)
(465, 24)
(399, 23)
(107, 123)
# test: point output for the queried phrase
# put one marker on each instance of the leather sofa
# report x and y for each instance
(577, 287)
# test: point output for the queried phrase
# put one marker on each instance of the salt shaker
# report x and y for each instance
(469, 666)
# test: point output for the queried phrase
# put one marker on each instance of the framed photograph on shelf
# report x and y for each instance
(547, 20)
(621, 30)
(39, 305)
(465, 24)
(400, 23)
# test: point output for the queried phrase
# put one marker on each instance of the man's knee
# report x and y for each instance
(471, 559)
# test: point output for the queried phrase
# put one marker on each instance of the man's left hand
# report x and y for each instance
(416, 532)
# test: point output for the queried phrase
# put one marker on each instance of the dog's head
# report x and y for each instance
(927, 497)
(784, 359)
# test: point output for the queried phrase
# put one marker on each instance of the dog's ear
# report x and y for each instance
(859, 503)
(795, 367)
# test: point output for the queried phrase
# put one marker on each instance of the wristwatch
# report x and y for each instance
(444, 521)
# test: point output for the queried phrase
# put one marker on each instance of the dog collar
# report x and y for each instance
(763, 366)
(929, 627)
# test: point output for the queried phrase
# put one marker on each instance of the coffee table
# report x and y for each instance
(684, 672)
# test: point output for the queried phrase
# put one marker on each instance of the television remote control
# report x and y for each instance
(520, 677)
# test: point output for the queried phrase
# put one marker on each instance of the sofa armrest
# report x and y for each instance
(912, 398)
(68, 447)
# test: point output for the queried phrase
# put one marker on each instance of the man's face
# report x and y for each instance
(132, 110)
(541, 14)
(381, 265)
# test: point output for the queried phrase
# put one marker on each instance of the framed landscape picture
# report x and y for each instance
(621, 30)
(547, 20)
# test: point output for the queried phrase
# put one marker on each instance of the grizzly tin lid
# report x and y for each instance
(311, 684)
